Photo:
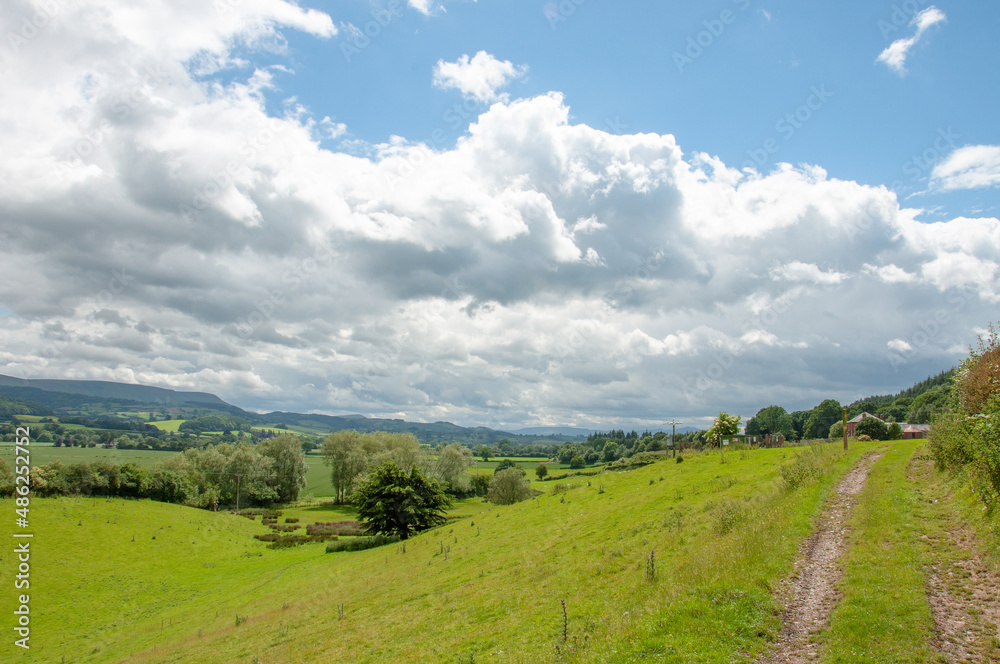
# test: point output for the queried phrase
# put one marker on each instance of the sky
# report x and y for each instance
(496, 212)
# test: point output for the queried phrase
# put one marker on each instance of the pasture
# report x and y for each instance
(672, 562)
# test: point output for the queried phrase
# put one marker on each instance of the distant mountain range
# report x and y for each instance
(101, 398)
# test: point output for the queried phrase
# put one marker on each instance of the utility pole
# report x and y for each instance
(673, 434)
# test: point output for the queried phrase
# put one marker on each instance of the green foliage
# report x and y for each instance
(541, 471)
(837, 430)
(204, 423)
(894, 431)
(351, 454)
(725, 425)
(822, 418)
(577, 462)
(872, 427)
(392, 501)
(506, 464)
(288, 465)
(772, 420)
(728, 515)
(13, 406)
(451, 468)
(801, 470)
(508, 487)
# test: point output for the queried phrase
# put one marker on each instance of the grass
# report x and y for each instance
(45, 453)
(489, 586)
(169, 425)
(884, 614)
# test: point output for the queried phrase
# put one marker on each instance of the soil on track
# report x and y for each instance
(810, 592)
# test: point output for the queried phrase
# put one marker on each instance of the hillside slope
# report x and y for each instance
(489, 587)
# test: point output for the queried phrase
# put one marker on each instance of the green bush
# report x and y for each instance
(802, 469)
(361, 543)
(727, 515)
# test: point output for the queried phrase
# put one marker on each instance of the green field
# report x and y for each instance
(492, 584)
(45, 453)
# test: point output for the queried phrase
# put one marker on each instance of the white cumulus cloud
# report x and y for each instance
(478, 77)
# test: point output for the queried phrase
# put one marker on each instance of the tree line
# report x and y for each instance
(216, 475)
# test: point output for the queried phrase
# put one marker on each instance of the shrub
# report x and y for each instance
(508, 487)
(865, 438)
(894, 431)
(344, 528)
(802, 469)
(727, 515)
(577, 462)
(872, 427)
(361, 543)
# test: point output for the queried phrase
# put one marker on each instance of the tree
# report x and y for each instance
(822, 418)
(505, 464)
(288, 465)
(610, 452)
(837, 430)
(577, 462)
(770, 421)
(541, 470)
(391, 501)
(485, 453)
(508, 487)
(872, 427)
(350, 454)
(725, 425)
(452, 465)
(894, 432)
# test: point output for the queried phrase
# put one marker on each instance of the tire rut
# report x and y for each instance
(811, 591)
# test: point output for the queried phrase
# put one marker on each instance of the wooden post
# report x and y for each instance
(845, 428)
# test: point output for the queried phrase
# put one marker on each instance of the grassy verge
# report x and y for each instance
(884, 615)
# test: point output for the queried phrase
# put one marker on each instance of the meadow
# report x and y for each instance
(670, 562)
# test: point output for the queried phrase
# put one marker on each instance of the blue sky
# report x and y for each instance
(499, 213)
(631, 70)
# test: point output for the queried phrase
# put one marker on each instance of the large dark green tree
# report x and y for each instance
(771, 421)
(872, 427)
(395, 502)
(822, 418)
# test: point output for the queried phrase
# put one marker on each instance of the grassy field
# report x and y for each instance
(45, 453)
(136, 581)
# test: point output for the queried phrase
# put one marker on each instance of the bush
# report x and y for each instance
(727, 515)
(872, 427)
(361, 543)
(894, 432)
(332, 528)
(864, 438)
(508, 487)
(802, 469)
(577, 462)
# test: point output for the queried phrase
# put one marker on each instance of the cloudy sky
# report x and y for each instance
(503, 212)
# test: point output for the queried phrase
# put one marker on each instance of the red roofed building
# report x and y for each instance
(851, 424)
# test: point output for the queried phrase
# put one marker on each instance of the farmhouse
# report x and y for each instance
(853, 423)
(915, 430)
